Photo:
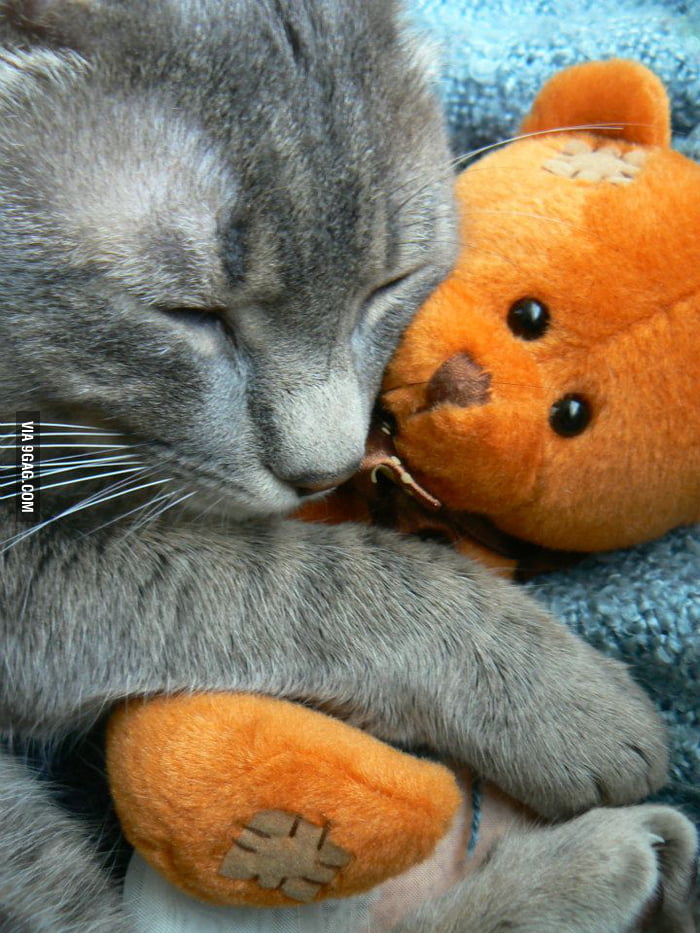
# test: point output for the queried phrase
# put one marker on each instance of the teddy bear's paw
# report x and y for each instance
(599, 162)
(626, 870)
(244, 800)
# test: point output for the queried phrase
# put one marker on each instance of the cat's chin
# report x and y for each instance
(209, 507)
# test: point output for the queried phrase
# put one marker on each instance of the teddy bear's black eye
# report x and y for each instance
(528, 318)
(384, 420)
(570, 415)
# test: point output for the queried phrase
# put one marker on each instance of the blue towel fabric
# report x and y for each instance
(641, 606)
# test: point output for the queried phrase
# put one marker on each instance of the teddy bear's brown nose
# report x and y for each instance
(459, 381)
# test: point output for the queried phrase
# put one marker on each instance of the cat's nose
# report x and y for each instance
(459, 381)
(314, 432)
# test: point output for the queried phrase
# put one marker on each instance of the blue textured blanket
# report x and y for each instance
(643, 605)
(496, 54)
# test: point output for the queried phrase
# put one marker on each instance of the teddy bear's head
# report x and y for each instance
(552, 383)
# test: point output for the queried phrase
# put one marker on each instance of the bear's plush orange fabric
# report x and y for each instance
(546, 394)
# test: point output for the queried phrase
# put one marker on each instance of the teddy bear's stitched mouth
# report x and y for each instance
(381, 459)
(396, 499)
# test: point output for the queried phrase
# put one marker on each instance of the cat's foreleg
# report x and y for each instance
(623, 870)
(403, 637)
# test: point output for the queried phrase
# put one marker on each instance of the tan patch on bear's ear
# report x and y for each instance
(585, 161)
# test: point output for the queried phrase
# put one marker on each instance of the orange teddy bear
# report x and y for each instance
(543, 400)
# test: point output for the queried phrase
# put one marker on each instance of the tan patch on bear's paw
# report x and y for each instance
(606, 162)
(283, 851)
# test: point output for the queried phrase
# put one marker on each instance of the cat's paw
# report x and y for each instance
(570, 731)
(626, 870)
(603, 743)
(631, 868)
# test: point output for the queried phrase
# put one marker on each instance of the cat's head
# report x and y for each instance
(216, 219)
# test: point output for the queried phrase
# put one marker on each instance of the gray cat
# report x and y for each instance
(216, 218)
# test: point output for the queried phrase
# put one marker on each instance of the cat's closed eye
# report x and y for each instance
(197, 318)
(390, 291)
(207, 331)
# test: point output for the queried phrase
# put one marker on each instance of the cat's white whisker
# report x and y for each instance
(69, 446)
(45, 474)
(88, 458)
(579, 127)
(9, 472)
(172, 505)
(151, 507)
(459, 161)
(44, 436)
(144, 505)
(56, 424)
(208, 508)
(81, 506)
(94, 477)
(60, 463)
(81, 479)
(153, 515)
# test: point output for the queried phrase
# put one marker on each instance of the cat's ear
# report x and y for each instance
(26, 74)
(29, 65)
(31, 12)
(50, 19)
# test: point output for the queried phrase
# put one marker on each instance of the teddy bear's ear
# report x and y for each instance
(624, 94)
